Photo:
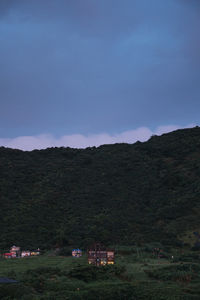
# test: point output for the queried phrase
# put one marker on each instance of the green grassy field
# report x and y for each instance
(21, 265)
(134, 276)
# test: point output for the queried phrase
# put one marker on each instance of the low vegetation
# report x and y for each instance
(132, 277)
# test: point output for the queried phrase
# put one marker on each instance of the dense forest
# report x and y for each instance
(118, 194)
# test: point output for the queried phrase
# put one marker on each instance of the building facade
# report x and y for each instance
(76, 253)
(15, 251)
(98, 255)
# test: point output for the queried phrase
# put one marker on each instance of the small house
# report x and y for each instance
(99, 255)
(15, 251)
(7, 255)
(35, 252)
(76, 253)
(25, 253)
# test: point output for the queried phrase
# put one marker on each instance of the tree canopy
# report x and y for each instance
(121, 193)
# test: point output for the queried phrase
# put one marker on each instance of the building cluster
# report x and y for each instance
(16, 252)
(99, 255)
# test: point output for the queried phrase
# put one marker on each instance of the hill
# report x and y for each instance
(119, 194)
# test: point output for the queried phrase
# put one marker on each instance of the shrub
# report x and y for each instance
(182, 273)
(92, 273)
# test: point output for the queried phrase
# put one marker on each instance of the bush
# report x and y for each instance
(93, 273)
(182, 272)
(65, 251)
(14, 291)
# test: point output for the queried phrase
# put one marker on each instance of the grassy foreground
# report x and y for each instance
(136, 275)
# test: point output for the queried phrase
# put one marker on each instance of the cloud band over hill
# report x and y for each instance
(82, 141)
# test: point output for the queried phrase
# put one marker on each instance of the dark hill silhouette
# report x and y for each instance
(122, 193)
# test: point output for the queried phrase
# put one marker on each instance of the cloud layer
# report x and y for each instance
(43, 141)
(93, 66)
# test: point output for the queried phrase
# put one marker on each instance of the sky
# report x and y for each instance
(83, 73)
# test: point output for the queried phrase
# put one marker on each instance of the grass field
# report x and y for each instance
(132, 277)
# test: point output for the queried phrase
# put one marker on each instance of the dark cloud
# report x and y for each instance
(5, 6)
(192, 3)
(98, 66)
(88, 17)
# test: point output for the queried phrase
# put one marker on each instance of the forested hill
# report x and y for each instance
(118, 194)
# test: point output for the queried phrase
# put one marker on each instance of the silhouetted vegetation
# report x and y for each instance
(118, 194)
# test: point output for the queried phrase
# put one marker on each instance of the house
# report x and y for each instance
(35, 252)
(7, 255)
(25, 253)
(99, 255)
(76, 253)
(15, 251)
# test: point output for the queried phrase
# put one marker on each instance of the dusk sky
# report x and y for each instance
(80, 73)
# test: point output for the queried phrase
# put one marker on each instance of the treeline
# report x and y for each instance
(117, 194)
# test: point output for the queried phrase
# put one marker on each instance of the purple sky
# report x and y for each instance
(86, 72)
